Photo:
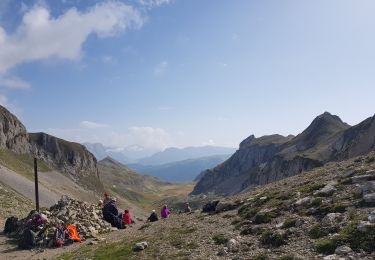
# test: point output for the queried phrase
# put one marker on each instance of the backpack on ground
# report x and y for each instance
(11, 225)
(27, 240)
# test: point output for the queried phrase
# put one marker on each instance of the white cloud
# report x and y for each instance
(13, 83)
(41, 36)
(154, 3)
(149, 138)
(92, 125)
(161, 68)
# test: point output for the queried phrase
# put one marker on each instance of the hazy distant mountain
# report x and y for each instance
(270, 158)
(129, 154)
(172, 154)
(181, 171)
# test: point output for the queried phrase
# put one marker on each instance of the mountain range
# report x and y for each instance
(269, 158)
(172, 164)
(181, 171)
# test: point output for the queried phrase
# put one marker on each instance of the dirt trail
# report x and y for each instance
(25, 187)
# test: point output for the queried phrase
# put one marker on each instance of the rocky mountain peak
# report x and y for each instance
(13, 134)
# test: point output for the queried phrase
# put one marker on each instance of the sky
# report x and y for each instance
(162, 73)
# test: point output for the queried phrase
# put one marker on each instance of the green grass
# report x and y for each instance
(350, 236)
(273, 239)
(119, 250)
(289, 222)
(220, 239)
(317, 232)
(264, 217)
(308, 188)
(21, 163)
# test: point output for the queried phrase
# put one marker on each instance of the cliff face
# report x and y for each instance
(270, 158)
(13, 135)
(355, 141)
(228, 177)
(68, 157)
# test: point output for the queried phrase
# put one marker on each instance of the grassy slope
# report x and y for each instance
(13, 204)
(21, 163)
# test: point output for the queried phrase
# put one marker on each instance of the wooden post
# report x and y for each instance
(36, 184)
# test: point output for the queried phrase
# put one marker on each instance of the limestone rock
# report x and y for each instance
(327, 190)
(232, 245)
(369, 198)
(331, 219)
(343, 250)
(140, 246)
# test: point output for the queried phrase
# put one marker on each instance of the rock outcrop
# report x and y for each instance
(13, 134)
(68, 157)
(270, 158)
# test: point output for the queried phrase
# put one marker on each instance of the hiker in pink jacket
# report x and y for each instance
(165, 212)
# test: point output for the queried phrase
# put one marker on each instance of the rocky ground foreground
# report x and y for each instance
(328, 213)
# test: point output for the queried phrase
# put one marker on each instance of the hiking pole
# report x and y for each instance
(36, 184)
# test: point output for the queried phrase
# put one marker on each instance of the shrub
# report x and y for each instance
(247, 212)
(326, 246)
(273, 239)
(261, 256)
(356, 239)
(289, 222)
(317, 232)
(370, 160)
(316, 202)
(311, 187)
(338, 208)
(264, 217)
(220, 239)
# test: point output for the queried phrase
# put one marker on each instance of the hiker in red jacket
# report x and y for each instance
(126, 218)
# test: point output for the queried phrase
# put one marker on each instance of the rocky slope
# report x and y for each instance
(266, 159)
(326, 213)
(13, 135)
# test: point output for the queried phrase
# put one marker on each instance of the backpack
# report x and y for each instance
(11, 225)
(27, 240)
(73, 233)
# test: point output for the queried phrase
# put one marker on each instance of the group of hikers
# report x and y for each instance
(117, 219)
(120, 220)
(36, 224)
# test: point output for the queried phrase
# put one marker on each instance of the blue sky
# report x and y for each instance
(160, 73)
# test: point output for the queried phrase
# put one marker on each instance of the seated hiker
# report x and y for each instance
(111, 214)
(165, 212)
(187, 208)
(106, 199)
(126, 218)
(36, 220)
(59, 236)
(153, 217)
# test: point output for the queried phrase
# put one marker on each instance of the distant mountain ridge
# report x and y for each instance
(180, 171)
(173, 154)
(270, 158)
